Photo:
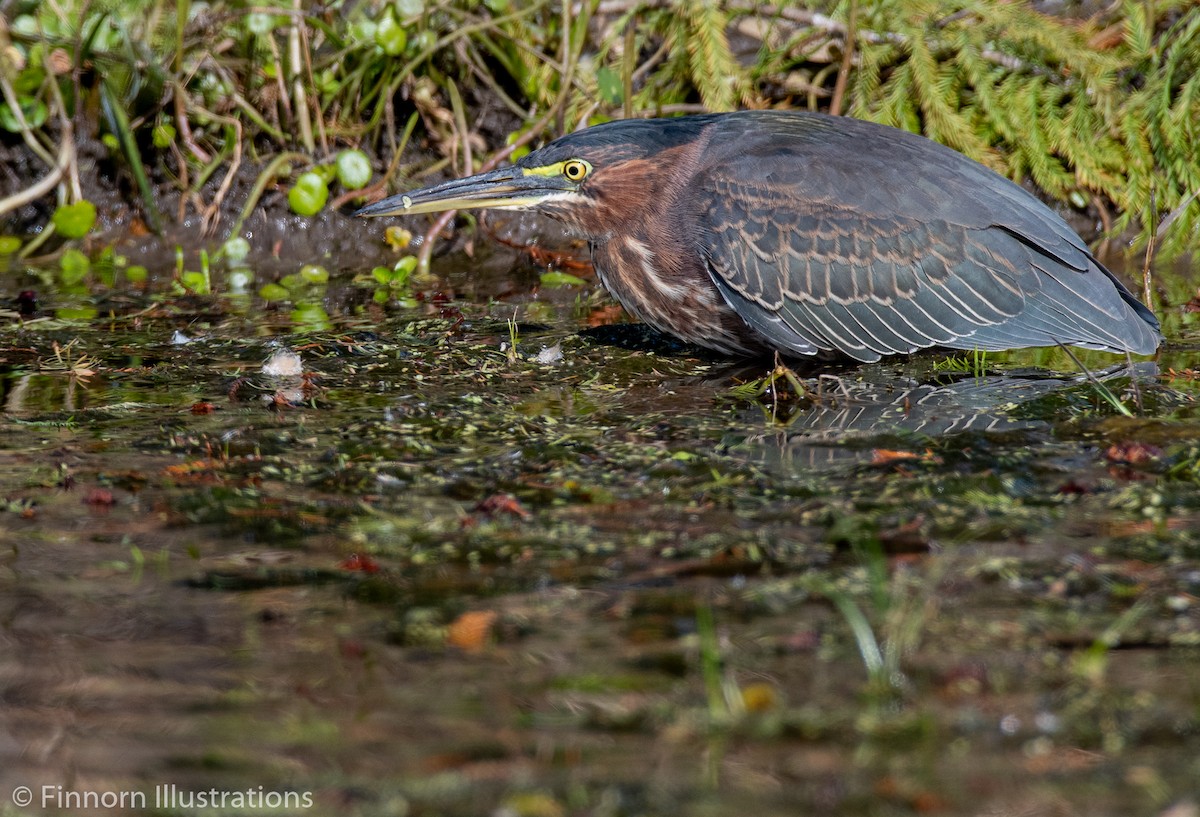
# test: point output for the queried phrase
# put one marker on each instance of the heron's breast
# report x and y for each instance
(674, 296)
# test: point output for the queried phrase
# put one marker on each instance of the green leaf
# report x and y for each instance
(311, 316)
(274, 292)
(75, 266)
(308, 195)
(76, 313)
(404, 268)
(521, 152)
(261, 24)
(34, 110)
(314, 274)
(608, 83)
(26, 25)
(353, 169)
(561, 279)
(196, 282)
(9, 244)
(164, 135)
(74, 220)
(363, 31)
(236, 249)
(390, 35)
(239, 279)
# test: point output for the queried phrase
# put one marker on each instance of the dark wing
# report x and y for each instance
(884, 249)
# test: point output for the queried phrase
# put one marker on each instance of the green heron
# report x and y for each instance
(804, 233)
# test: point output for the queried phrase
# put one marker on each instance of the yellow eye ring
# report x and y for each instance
(575, 170)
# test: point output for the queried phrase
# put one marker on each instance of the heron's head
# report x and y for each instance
(591, 180)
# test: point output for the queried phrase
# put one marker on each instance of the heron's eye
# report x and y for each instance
(575, 170)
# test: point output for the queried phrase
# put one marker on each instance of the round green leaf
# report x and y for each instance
(29, 82)
(403, 269)
(236, 249)
(273, 292)
(261, 24)
(312, 317)
(74, 265)
(195, 281)
(26, 25)
(9, 244)
(390, 35)
(363, 31)
(239, 279)
(164, 135)
(423, 41)
(353, 169)
(521, 152)
(74, 220)
(308, 195)
(314, 274)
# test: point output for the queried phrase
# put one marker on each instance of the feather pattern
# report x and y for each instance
(873, 241)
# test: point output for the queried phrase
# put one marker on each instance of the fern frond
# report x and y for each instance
(1139, 29)
(715, 71)
(938, 97)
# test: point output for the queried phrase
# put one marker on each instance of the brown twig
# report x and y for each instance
(42, 186)
(210, 215)
(185, 128)
(299, 95)
(312, 82)
(10, 97)
(843, 77)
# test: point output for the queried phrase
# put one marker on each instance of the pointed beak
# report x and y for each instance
(505, 187)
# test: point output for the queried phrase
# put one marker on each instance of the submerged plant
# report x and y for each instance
(901, 608)
(70, 361)
(974, 363)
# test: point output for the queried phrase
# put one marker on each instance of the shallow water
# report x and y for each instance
(425, 574)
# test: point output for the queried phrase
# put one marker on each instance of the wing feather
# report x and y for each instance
(814, 275)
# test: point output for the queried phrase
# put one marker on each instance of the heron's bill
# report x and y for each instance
(505, 187)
